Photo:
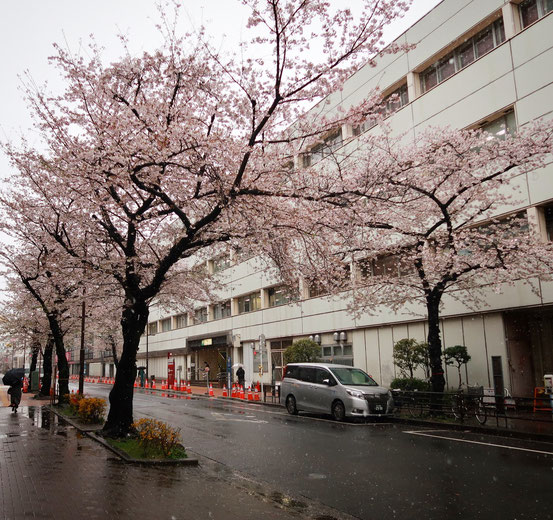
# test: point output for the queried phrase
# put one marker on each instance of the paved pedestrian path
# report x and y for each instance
(50, 471)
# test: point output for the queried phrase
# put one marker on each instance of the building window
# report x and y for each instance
(548, 214)
(166, 325)
(330, 144)
(462, 56)
(500, 127)
(249, 303)
(221, 263)
(317, 289)
(279, 296)
(390, 104)
(200, 315)
(338, 354)
(181, 321)
(221, 310)
(532, 10)
(152, 328)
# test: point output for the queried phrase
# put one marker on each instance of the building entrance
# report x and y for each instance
(529, 337)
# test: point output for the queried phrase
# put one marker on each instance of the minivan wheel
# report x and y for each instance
(338, 411)
(291, 405)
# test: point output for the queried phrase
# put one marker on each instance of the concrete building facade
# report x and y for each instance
(475, 63)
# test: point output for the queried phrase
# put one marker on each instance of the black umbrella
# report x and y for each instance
(13, 376)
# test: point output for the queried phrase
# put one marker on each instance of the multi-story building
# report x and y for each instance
(476, 63)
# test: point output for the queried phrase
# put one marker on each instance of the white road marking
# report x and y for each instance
(426, 434)
(221, 417)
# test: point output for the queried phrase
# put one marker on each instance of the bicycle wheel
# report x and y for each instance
(457, 408)
(480, 412)
(414, 407)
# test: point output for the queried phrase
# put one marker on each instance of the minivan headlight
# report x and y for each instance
(355, 393)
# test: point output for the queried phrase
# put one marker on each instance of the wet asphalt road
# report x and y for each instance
(370, 471)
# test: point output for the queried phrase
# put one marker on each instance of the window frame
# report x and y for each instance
(542, 10)
(225, 310)
(179, 318)
(251, 297)
(497, 28)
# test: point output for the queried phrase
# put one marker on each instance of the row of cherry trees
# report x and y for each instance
(149, 165)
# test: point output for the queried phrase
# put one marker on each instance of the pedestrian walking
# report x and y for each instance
(240, 374)
(206, 372)
(14, 379)
(14, 392)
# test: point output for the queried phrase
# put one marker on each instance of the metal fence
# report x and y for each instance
(475, 405)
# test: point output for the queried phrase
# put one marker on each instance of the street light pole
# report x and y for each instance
(81, 352)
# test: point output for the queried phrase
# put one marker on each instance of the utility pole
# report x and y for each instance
(81, 358)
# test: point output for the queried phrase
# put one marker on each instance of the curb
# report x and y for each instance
(91, 433)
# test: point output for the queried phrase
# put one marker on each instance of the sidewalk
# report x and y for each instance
(50, 471)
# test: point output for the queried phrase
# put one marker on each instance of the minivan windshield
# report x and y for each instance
(353, 376)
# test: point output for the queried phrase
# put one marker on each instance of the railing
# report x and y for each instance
(475, 406)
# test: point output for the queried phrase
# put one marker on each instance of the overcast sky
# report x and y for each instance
(28, 28)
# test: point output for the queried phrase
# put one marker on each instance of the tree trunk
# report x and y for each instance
(133, 323)
(113, 344)
(35, 349)
(34, 357)
(434, 342)
(47, 363)
(63, 365)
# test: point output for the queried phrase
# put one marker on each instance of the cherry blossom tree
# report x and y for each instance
(417, 221)
(25, 321)
(52, 293)
(160, 158)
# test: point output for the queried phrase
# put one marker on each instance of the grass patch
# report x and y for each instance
(66, 410)
(134, 450)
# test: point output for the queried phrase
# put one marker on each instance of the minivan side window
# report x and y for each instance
(321, 374)
(292, 372)
(307, 374)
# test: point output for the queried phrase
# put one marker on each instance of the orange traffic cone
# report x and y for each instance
(211, 394)
(258, 387)
(256, 395)
(189, 387)
(225, 393)
(135, 383)
(233, 392)
(250, 395)
(153, 384)
(241, 394)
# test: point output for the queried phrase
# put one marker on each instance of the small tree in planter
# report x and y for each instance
(408, 355)
(458, 356)
(302, 351)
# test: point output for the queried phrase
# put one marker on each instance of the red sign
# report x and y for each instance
(171, 372)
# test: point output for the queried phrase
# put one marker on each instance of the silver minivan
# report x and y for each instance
(341, 390)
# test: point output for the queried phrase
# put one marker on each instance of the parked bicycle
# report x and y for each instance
(469, 402)
(412, 402)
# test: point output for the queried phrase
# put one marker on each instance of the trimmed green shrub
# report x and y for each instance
(302, 351)
(410, 384)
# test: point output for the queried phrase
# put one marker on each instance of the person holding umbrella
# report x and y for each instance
(240, 374)
(14, 379)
